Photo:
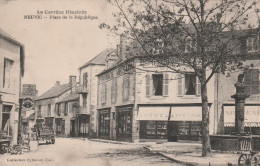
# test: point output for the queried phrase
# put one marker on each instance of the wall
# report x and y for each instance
(10, 95)
(226, 88)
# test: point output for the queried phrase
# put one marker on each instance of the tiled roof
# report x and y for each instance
(71, 97)
(100, 58)
(55, 91)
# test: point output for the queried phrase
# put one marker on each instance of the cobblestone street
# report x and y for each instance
(72, 151)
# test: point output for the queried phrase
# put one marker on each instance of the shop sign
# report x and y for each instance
(186, 114)
(252, 115)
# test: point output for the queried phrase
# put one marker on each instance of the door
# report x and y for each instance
(172, 131)
(124, 126)
(72, 128)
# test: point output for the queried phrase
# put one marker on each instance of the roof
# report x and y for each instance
(71, 97)
(55, 91)
(12, 39)
(100, 58)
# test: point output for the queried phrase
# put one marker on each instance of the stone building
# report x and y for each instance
(225, 105)
(11, 71)
(139, 99)
(49, 111)
(86, 118)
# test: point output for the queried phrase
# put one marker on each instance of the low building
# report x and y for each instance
(11, 71)
(49, 111)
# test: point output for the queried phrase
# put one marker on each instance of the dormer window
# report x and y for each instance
(158, 47)
(252, 43)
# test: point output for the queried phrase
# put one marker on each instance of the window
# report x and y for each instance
(251, 43)
(65, 109)
(49, 110)
(7, 73)
(58, 109)
(251, 80)
(39, 113)
(85, 81)
(190, 45)
(159, 84)
(114, 91)
(158, 47)
(188, 84)
(6, 119)
(126, 87)
(103, 93)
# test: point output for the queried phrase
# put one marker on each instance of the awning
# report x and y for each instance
(186, 113)
(252, 116)
(156, 113)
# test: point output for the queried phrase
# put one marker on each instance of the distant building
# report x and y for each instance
(54, 106)
(28, 94)
(11, 71)
(87, 117)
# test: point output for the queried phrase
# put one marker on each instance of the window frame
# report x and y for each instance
(7, 73)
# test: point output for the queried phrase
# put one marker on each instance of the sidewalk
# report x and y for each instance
(190, 154)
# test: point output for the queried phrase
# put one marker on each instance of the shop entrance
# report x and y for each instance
(124, 125)
(83, 125)
(104, 124)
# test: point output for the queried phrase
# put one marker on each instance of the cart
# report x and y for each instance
(249, 149)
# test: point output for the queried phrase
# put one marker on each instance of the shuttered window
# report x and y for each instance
(179, 86)
(103, 93)
(114, 91)
(147, 82)
(126, 87)
(166, 87)
(251, 80)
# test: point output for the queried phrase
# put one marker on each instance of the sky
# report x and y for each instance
(56, 48)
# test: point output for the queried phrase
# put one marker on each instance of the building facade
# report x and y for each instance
(138, 99)
(87, 116)
(11, 72)
(225, 105)
(54, 111)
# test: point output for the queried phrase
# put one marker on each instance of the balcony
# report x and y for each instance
(83, 110)
(80, 89)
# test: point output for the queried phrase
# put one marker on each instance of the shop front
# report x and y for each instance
(104, 124)
(170, 122)
(124, 124)
(83, 125)
(252, 119)
(59, 127)
(49, 122)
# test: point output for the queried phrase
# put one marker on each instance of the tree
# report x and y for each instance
(202, 34)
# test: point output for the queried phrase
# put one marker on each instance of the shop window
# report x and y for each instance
(188, 84)
(251, 80)
(6, 119)
(39, 113)
(156, 128)
(104, 123)
(252, 43)
(65, 109)
(190, 128)
(7, 73)
(49, 110)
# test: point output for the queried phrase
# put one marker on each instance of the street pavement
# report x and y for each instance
(77, 152)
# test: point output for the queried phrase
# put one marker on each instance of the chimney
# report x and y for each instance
(57, 83)
(72, 82)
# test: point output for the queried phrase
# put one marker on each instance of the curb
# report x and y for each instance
(108, 141)
(188, 163)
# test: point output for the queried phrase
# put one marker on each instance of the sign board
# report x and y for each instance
(252, 115)
(186, 113)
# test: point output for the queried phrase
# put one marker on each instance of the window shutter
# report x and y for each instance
(179, 81)
(198, 87)
(148, 85)
(248, 81)
(255, 81)
(165, 88)
(128, 87)
(105, 96)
